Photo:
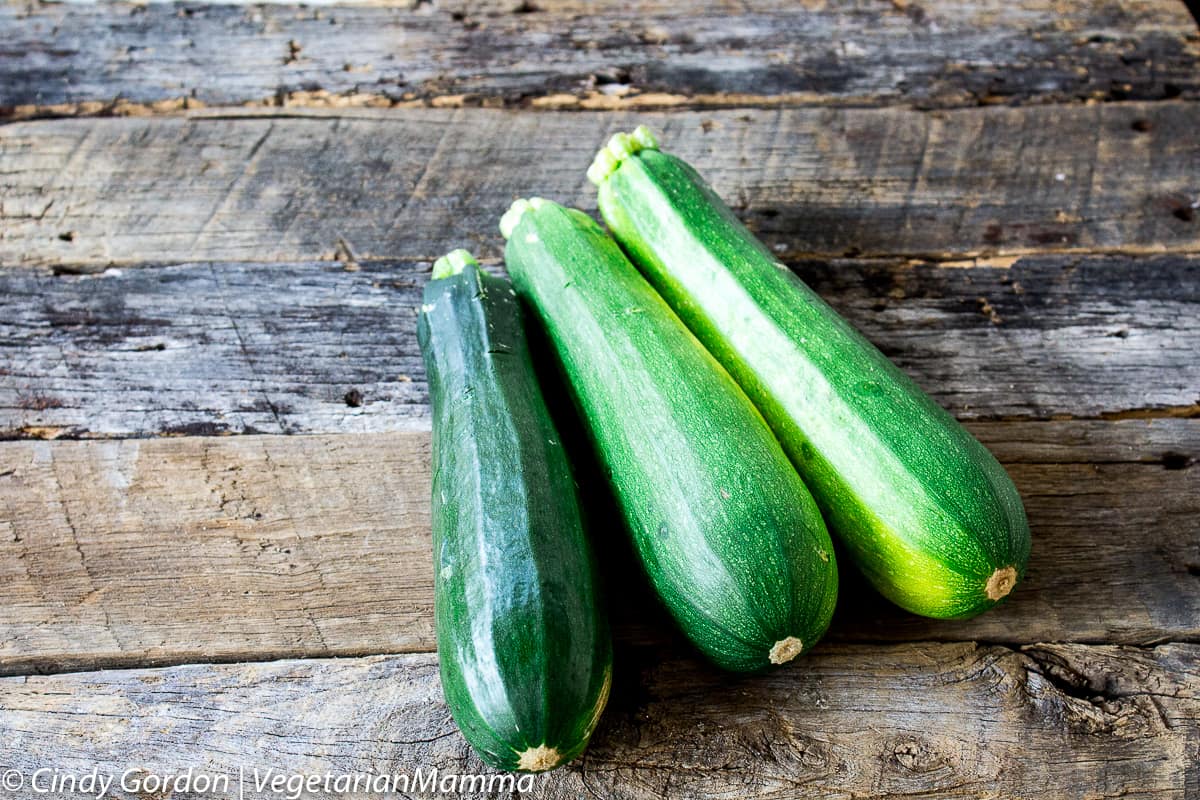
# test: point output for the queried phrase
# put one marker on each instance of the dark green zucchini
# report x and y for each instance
(926, 512)
(728, 534)
(526, 658)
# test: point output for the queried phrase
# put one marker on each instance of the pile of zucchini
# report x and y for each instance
(735, 414)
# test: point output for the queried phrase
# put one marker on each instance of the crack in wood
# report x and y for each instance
(198, 429)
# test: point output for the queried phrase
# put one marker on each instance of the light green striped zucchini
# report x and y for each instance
(923, 508)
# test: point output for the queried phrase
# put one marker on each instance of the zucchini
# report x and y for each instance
(729, 536)
(523, 644)
(925, 511)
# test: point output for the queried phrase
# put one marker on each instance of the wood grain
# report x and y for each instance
(413, 183)
(119, 58)
(944, 720)
(201, 548)
(243, 348)
(162, 551)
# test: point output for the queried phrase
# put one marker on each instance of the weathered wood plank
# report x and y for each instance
(119, 58)
(213, 348)
(927, 720)
(314, 348)
(213, 548)
(161, 551)
(412, 183)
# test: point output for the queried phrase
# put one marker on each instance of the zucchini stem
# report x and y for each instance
(1001, 583)
(785, 650)
(620, 147)
(452, 263)
(539, 759)
(508, 222)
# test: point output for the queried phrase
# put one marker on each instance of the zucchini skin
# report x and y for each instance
(523, 641)
(727, 532)
(925, 511)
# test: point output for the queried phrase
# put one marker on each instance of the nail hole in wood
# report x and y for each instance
(1173, 460)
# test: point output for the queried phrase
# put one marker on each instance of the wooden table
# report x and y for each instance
(214, 225)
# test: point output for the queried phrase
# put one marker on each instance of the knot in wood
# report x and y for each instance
(915, 755)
